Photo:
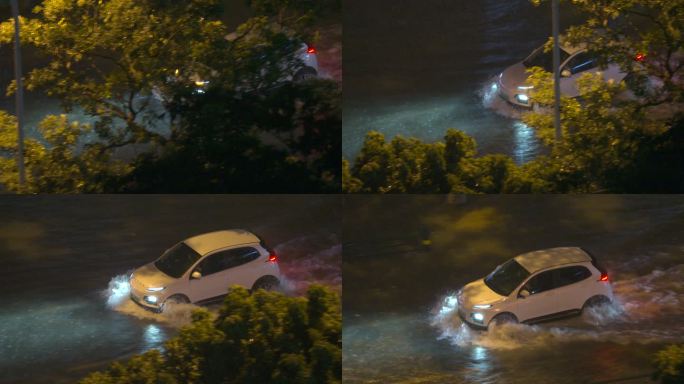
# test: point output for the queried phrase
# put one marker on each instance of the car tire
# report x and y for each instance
(503, 318)
(304, 74)
(595, 301)
(267, 283)
(175, 299)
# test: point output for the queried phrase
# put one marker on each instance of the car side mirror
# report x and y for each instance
(566, 73)
(196, 275)
(523, 293)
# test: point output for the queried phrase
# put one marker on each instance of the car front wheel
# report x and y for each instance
(173, 301)
(504, 318)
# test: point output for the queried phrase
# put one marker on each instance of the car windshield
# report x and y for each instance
(506, 277)
(539, 58)
(176, 260)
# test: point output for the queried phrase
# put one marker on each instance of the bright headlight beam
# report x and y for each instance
(155, 289)
(482, 306)
(524, 87)
(478, 316)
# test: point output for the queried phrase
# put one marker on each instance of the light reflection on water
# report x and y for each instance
(153, 336)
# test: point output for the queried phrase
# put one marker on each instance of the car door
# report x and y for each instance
(572, 283)
(540, 301)
(577, 65)
(221, 270)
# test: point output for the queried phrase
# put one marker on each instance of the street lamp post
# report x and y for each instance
(19, 96)
(556, 69)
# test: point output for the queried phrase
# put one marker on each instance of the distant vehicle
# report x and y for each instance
(534, 287)
(202, 268)
(512, 83)
(305, 55)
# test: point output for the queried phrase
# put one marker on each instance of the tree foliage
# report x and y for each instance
(256, 338)
(60, 163)
(412, 166)
(133, 68)
(670, 365)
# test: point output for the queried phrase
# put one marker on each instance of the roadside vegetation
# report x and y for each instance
(133, 67)
(264, 337)
(620, 138)
(670, 365)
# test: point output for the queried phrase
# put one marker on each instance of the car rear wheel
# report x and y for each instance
(504, 318)
(304, 74)
(267, 283)
(595, 301)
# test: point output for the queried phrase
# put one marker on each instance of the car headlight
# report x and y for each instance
(522, 98)
(201, 83)
(478, 317)
(151, 299)
(525, 87)
(482, 306)
(155, 289)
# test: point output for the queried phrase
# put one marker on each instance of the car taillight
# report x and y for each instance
(604, 277)
(272, 257)
(310, 49)
(640, 57)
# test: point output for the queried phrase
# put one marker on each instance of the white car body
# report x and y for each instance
(558, 282)
(203, 267)
(512, 83)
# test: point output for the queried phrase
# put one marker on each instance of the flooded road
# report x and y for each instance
(417, 68)
(403, 255)
(64, 312)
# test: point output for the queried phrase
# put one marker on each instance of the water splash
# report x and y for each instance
(118, 299)
(118, 290)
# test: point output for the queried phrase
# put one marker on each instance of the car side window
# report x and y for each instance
(571, 275)
(540, 283)
(211, 264)
(239, 256)
(581, 62)
(227, 259)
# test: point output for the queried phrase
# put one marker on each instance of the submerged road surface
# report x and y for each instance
(65, 311)
(417, 68)
(404, 254)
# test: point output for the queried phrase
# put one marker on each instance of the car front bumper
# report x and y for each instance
(509, 95)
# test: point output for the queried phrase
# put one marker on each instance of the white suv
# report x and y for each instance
(202, 268)
(512, 83)
(535, 286)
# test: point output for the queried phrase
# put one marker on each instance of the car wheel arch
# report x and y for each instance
(503, 315)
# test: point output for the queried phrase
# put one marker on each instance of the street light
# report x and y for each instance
(556, 69)
(19, 96)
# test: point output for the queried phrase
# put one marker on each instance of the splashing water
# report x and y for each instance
(117, 298)
(118, 290)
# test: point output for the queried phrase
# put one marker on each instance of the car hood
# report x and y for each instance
(149, 276)
(514, 76)
(478, 292)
